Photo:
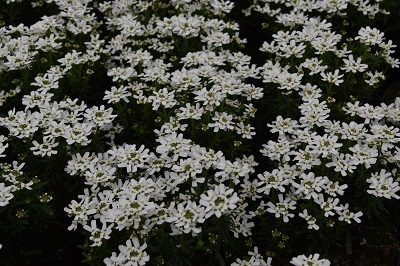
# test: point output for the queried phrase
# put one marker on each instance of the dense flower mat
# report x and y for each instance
(140, 120)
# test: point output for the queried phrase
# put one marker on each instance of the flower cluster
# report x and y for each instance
(320, 148)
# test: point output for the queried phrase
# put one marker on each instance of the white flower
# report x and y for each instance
(2, 149)
(343, 163)
(190, 111)
(382, 185)
(352, 108)
(329, 205)
(333, 78)
(309, 92)
(240, 224)
(223, 121)
(132, 254)
(374, 78)
(78, 133)
(314, 113)
(24, 124)
(255, 259)
(134, 206)
(370, 112)
(36, 98)
(246, 71)
(346, 215)
(309, 185)
(5, 194)
(370, 36)
(12, 174)
(325, 145)
(312, 260)
(333, 188)
(289, 81)
(120, 73)
(314, 65)
(70, 59)
(393, 62)
(334, 6)
(21, 58)
(47, 82)
(184, 79)
(282, 208)
(99, 174)
(311, 221)
(259, 257)
(216, 38)
(99, 115)
(325, 44)
(279, 150)
(233, 171)
(250, 262)
(306, 159)
(130, 157)
(272, 70)
(97, 235)
(79, 163)
(291, 19)
(353, 131)
(249, 189)
(185, 218)
(283, 126)
(219, 7)
(45, 148)
(275, 180)
(387, 135)
(363, 154)
(269, 47)
(219, 200)
(80, 210)
(189, 167)
(173, 125)
(293, 48)
(252, 92)
(210, 98)
(351, 65)
(175, 144)
(163, 97)
(115, 95)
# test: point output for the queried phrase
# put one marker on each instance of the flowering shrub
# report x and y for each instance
(138, 122)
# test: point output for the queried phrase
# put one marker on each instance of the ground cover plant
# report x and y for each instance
(154, 133)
